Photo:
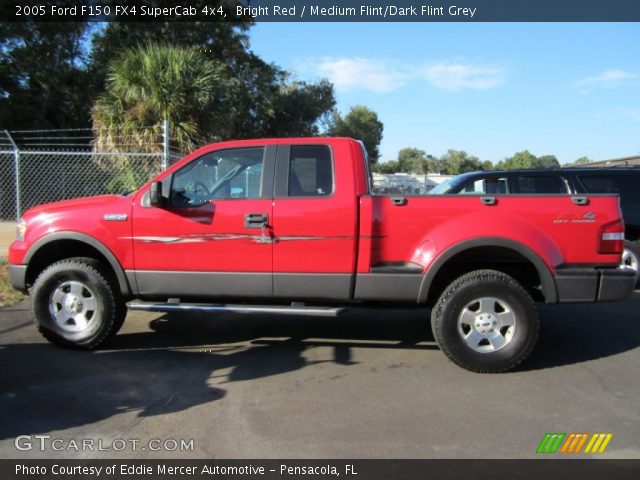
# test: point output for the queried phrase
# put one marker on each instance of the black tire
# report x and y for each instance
(631, 259)
(77, 288)
(460, 302)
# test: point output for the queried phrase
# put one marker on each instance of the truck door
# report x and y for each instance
(212, 236)
(314, 221)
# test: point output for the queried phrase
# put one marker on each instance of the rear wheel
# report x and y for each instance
(75, 303)
(486, 322)
(631, 258)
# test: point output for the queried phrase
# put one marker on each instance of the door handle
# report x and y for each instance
(261, 221)
(488, 200)
(256, 220)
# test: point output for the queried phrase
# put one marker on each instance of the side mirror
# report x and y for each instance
(155, 194)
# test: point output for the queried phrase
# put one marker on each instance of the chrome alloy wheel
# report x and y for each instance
(487, 324)
(629, 260)
(72, 306)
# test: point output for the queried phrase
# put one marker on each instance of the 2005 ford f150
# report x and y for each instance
(292, 226)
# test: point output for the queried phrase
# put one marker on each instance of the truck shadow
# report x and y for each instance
(171, 368)
(570, 333)
(573, 334)
(184, 361)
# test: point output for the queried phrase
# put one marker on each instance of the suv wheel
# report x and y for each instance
(74, 303)
(631, 257)
(486, 322)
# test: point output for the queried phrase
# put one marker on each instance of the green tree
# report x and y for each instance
(43, 75)
(547, 161)
(526, 159)
(261, 101)
(148, 85)
(218, 38)
(486, 165)
(391, 166)
(360, 123)
(203, 99)
(299, 107)
(51, 74)
(412, 160)
(582, 161)
(435, 165)
(458, 161)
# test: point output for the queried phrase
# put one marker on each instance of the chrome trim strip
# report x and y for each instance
(203, 307)
(208, 237)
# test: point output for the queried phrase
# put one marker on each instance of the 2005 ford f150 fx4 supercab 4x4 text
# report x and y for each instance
(291, 226)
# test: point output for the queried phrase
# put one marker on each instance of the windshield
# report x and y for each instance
(444, 187)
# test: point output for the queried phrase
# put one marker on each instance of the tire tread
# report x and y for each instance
(479, 278)
(94, 268)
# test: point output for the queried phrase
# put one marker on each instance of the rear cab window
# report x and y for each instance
(310, 171)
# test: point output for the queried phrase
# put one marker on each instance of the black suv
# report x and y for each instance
(624, 181)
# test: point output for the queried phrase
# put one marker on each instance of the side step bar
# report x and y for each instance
(205, 307)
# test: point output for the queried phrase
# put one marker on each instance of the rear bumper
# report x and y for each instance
(594, 284)
(17, 277)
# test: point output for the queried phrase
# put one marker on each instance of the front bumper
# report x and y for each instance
(594, 284)
(17, 277)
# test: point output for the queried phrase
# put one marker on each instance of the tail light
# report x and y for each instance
(611, 237)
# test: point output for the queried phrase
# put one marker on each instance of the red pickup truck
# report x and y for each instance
(292, 226)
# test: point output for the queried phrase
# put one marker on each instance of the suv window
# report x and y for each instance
(609, 183)
(486, 185)
(310, 171)
(225, 174)
(541, 184)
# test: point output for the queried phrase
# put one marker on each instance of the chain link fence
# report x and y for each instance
(41, 166)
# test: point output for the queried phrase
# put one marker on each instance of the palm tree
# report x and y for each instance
(152, 83)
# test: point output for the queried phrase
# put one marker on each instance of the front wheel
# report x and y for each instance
(75, 303)
(486, 322)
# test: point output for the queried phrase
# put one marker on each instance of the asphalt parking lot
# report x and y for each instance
(369, 384)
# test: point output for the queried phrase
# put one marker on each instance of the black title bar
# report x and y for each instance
(321, 469)
(323, 10)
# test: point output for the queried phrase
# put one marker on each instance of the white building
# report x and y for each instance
(407, 183)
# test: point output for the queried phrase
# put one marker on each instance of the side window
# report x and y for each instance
(536, 184)
(486, 185)
(225, 174)
(310, 171)
(601, 183)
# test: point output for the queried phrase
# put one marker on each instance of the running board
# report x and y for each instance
(205, 307)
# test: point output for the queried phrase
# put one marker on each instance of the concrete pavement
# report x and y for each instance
(368, 384)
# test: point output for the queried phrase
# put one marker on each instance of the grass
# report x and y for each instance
(8, 296)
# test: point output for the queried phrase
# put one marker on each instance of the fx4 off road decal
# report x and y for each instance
(574, 217)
